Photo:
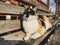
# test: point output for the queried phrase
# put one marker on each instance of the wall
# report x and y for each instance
(43, 5)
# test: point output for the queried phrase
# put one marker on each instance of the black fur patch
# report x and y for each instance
(43, 24)
(26, 12)
(40, 16)
(29, 12)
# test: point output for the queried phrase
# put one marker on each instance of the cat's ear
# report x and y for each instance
(35, 8)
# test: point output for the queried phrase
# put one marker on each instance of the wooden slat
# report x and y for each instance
(9, 25)
(42, 8)
(14, 36)
(10, 9)
(30, 2)
(33, 2)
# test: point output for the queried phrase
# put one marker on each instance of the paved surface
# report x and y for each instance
(55, 39)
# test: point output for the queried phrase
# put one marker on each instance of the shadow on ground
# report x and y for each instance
(12, 42)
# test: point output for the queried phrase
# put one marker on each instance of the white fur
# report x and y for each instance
(47, 25)
(30, 26)
(35, 36)
(27, 36)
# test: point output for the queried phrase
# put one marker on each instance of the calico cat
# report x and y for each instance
(33, 26)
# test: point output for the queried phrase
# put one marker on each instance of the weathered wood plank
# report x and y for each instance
(14, 36)
(19, 36)
(10, 9)
(9, 25)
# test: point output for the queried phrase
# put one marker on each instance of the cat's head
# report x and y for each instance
(29, 12)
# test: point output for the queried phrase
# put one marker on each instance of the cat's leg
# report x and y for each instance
(47, 25)
(27, 36)
(35, 35)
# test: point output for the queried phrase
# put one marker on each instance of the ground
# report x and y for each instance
(55, 38)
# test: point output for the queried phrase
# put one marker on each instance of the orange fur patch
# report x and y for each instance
(40, 30)
(47, 19)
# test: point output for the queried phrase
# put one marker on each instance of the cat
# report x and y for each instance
(33, 26)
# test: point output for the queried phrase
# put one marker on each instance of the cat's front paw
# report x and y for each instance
(25, 38)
